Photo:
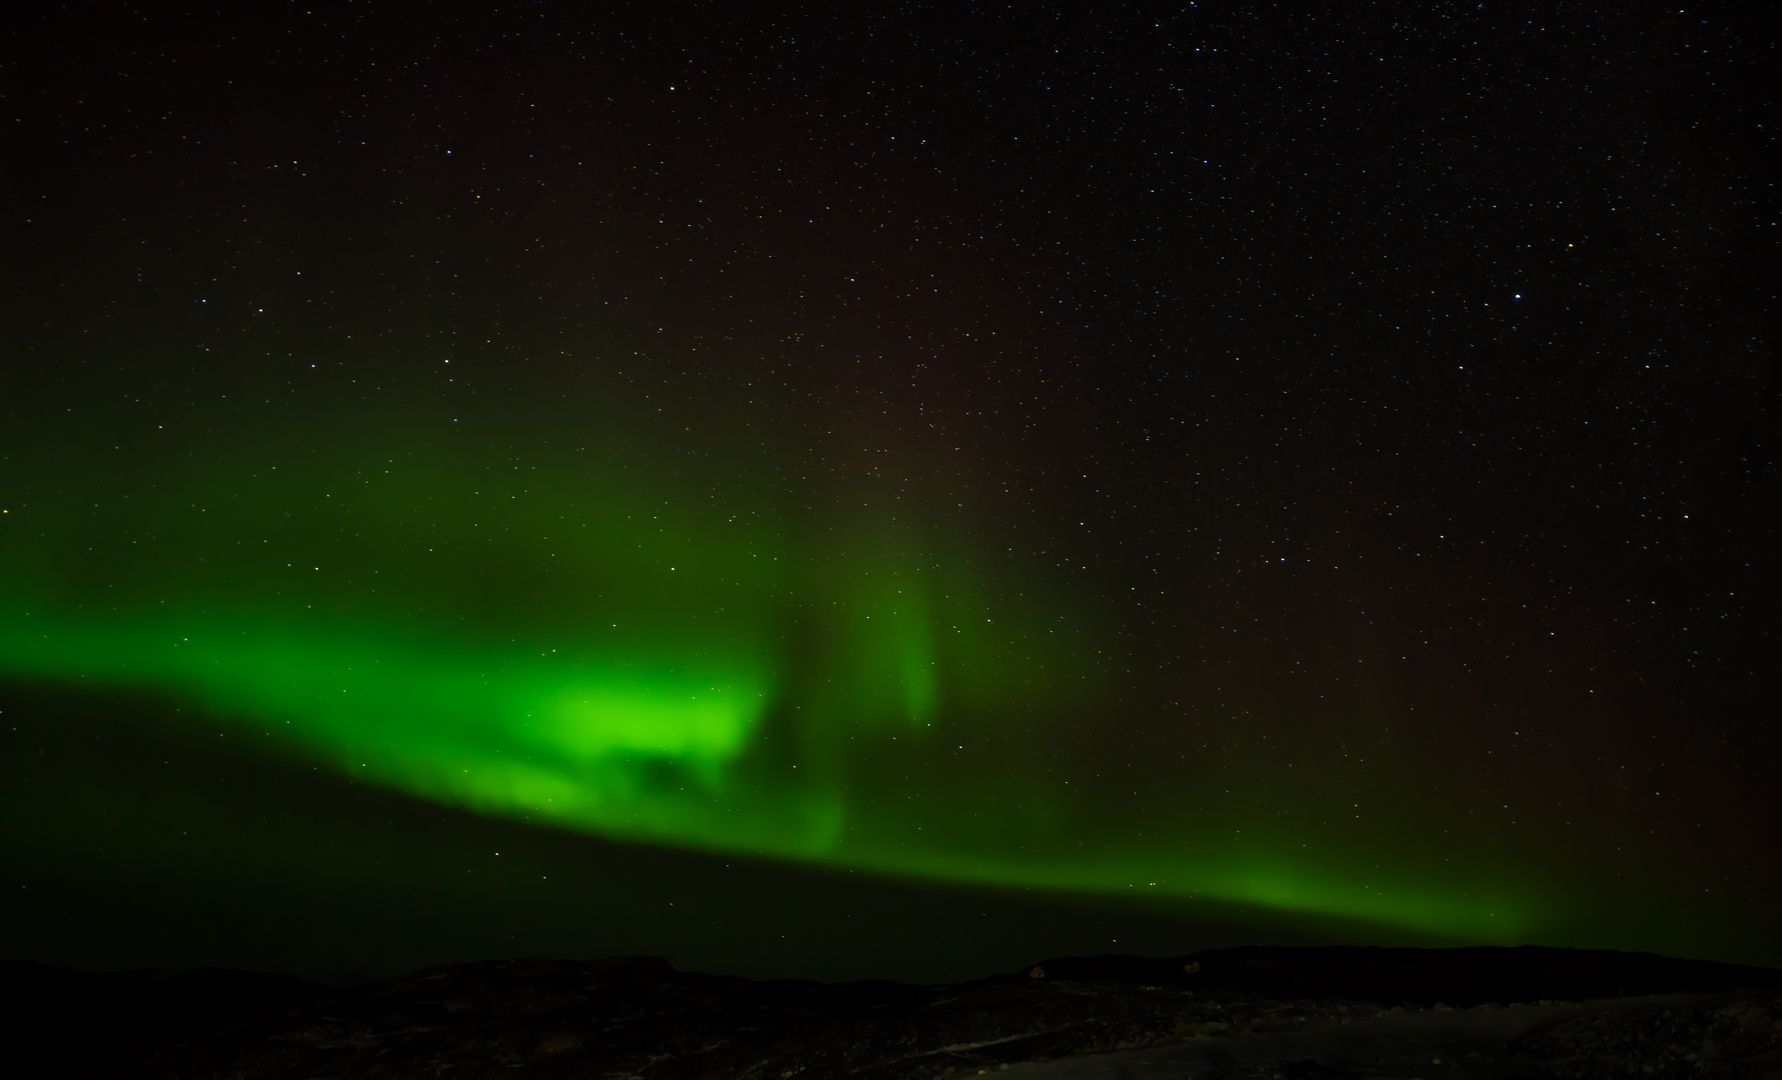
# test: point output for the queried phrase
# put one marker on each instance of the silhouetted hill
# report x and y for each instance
(1502, 1011)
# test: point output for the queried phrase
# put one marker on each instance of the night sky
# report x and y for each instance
(903, 490)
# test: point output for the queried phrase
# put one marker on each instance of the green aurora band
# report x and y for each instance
(592, 648)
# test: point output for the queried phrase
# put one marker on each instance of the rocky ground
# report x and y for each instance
(1263, 1012)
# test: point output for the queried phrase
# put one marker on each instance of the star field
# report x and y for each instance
(1313, 467)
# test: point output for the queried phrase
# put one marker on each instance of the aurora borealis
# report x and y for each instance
(565, 648)
(899, 446)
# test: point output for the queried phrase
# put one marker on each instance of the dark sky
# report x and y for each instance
(848, 490)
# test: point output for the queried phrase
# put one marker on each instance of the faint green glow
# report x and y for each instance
(586, 649)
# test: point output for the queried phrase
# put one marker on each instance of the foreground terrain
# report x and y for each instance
(1261, 1012)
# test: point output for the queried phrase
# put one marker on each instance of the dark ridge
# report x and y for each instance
(638, 1016)
(1425, 977)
